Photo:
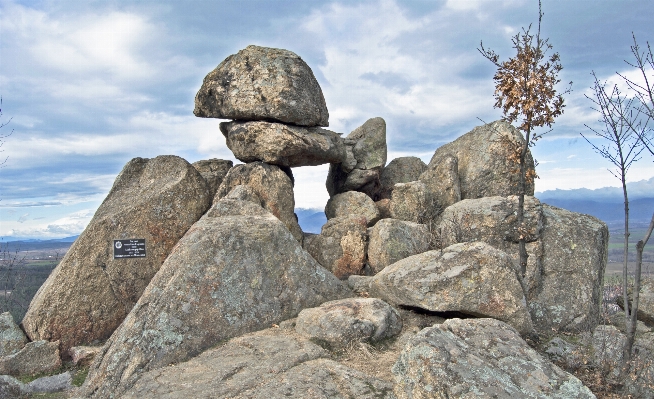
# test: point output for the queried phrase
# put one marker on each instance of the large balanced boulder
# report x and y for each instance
(261, 365)
(90, 292)
(284, 145)
(475, 358)
(365, 157)
(12, 338)
(261, 83)
(574, 256)
(272, 185)
(349, 320)
(470, 278)
(487, 163)
(413, 202)
(214, 171)
(341, 245)
(400, 170)
(392, 240)
(235, 271)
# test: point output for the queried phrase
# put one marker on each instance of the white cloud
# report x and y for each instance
(69, 225)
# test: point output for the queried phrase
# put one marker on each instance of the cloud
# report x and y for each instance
(23, 218)
(69, 225)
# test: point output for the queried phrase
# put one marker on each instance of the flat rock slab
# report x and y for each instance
(262, 83)
(475, 358)
(260, 365)
(90, 292)
(471, 278)
(343, 321)
(229, 275)
(284, 145)
(34, 358)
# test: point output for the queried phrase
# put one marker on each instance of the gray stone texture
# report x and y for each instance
(400, 170)
(645, 300)
(52, 383)
(475, 358)
(608, 343)
(470, 278)
(261, 366)
(214, 171)
(261, 83)
(36, 357)
(391, 240)
(229, 275)
(349, 320)
(365, 157)
(486, 161)
(413, 202)
(352, 203)
(284, 145)
(89, 293)
(575, 251)
(12, 338)
(341, 246)
(567, 255)
(442, 180)
(272, 185)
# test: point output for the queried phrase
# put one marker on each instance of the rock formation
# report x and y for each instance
(261, 83)
(491, 361)
(234, 300)
(233, 272)
(90, 292)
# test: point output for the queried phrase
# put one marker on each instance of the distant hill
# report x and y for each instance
(640, 210)
(70, 239)
(311, 220)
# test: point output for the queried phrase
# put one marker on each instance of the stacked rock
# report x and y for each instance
(277, 110)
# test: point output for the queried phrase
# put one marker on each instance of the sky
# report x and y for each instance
(89, 85)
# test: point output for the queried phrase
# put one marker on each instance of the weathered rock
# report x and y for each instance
(349, 320)
(280, 144)
(352, 203)
(359, 284)
(35, 357)
(272, 185)
(370, 148)
(640, 380)
(608, 343)
(566, 353)
(442, 180)
(11, 388)
(365, 157)
(83, 355)
(341, 246)
(214, 171)
(392, 240)
(478, 358)
(362, 180)
(227, 276)
(574, 256)
(400, 170)
(470, 278)
(645, 301)
(259, 366)
(90, 292)
(487, 163)
(261, 83)
(52, 383)
(413, 202)
(12, 338)
(384, 207)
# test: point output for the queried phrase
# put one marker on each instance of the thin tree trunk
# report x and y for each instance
(625, 281)
(521, 206)
(640, 246)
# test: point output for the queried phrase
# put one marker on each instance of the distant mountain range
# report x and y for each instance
(26, 239)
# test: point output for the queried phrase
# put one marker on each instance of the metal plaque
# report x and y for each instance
(131, 248)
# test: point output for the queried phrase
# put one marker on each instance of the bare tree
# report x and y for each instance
(642, 114)
(623, 148)
(524, 90)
